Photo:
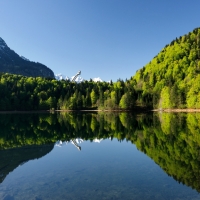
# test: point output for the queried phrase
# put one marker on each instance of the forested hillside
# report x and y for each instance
(173, 76)
(170, 80)
(37, 93)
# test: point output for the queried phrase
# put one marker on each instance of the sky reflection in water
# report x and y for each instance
(105, 170)
(33, 166)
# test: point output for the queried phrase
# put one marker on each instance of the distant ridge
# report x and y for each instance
(11, 62)
(78, 79)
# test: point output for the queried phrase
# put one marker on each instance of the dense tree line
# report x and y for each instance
(173, 76)
(36, 93)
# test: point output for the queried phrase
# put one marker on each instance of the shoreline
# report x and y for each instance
(185, 110)
(177, 110)
(52, 111)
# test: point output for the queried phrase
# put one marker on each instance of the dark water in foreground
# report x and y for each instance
(101, 156)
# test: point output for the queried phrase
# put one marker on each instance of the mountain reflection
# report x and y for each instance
(12, 158)
(172, 140)
(75, 142)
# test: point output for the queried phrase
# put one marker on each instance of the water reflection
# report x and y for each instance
(12, 158)
(75, 142)
(171, 140)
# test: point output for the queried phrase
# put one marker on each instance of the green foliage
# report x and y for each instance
(26, 93)
(177, 65)
(93, 96)
(193, 95)
(165, 98)
(124, 102)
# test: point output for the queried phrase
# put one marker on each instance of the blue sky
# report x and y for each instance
(109, 39)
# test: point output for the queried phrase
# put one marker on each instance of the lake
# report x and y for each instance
(80, 155)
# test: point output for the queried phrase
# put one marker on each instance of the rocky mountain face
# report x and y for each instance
(11, 62)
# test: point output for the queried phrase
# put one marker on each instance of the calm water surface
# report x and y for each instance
(115, 159)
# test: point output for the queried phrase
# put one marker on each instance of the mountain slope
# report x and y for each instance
(11, 62)
(173, 76)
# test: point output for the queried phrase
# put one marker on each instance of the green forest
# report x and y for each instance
(170, 80)
(36, 93)
(173, 76)
(172, 140)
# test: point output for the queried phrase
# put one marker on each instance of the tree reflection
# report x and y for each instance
(172, 140)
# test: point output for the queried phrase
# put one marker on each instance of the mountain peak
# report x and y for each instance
(11, 62)
(97, 79)
(78, 79)
(2, 44)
